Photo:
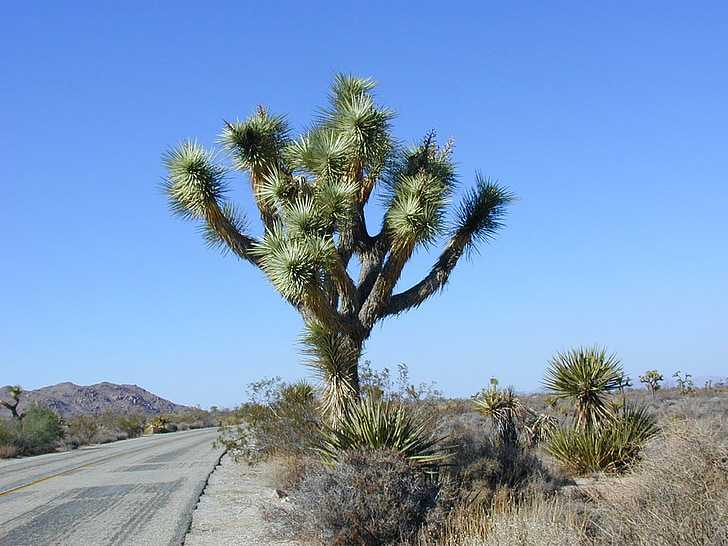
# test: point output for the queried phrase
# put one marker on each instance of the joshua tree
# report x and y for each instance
(684, 382)
(15, 393)
(625, 382)
(311, 194)
(586, 375)
(652, 379)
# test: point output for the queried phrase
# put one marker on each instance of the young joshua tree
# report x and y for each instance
(652, 379)
(15, 393)
(311, 193)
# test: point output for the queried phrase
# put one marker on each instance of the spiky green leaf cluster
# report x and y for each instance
(426, 157)
(613, 446)
(278, 188)
(256, 143)
(364, 125)
(194, 180)
(16, 391)
(295, 266)
(380, 424)
(416, 214)
(321, 153)
(586, 376)
(502, 406)
(481, 212)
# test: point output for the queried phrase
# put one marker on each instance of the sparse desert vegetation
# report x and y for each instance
(39, 429)
(617, 472)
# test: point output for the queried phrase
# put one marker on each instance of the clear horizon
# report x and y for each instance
(608, 122)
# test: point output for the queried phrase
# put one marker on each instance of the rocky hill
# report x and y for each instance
(68, 399)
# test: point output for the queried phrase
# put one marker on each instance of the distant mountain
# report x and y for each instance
(68, 399)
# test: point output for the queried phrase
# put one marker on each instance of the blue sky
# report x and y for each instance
(609, 122)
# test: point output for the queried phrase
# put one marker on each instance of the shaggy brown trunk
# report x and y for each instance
(13, 410)
(356, 346)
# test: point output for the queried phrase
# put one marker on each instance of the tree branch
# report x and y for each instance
(345, 287)
(227, 233)
(432, 283)
(383, 285)
(267, 214)
(479, 219)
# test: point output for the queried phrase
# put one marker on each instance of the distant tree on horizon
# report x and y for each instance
(652, 379)
(311, 192)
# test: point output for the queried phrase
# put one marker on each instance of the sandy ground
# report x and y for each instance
(235, 509)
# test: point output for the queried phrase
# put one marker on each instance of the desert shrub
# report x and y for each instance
(373, 424)
(288, 471)
(368, 497)
(82, 430)
(677, 495)
(192, 418)
(382, 384)
(39, 431)
(481, 466)
(7, 431)
(132, 424)
(612, 446)
(106, 436)
(8, 435)
(280, 419)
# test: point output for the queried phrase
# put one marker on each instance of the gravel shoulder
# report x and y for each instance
(238, 508)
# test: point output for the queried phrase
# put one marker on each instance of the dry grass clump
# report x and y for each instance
(536, 521)
(679, 494)
(8, 451)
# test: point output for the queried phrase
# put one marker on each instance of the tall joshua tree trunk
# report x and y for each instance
(311, 193)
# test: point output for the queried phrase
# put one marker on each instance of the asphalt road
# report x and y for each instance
(135, 492)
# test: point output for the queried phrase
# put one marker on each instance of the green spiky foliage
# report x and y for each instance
(502, 406)
(382, 424)
(652, 378)
(16, 391)
(612, 446)
(585, 376)
(539, 427)
(311, 192)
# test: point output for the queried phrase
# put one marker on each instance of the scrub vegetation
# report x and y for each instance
(38, 429)
(559, 467)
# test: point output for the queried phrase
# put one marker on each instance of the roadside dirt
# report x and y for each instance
(235, 509)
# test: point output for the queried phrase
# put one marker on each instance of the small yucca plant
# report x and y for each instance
(502, 407)
(613, 446)
(382, 424)
(539, 427)
(586, 376)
